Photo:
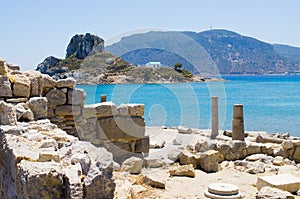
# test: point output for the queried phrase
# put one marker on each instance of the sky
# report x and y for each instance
(31, 30)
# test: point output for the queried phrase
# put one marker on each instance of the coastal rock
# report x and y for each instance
(5, 87)
(46, 66)
(56, 97)
(8, 114)
(38, 106)
(82, 45)
(21, 86)
(132, 165)
(273, 193)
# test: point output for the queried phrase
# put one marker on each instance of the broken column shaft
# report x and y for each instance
(214, 118)
(238, 132)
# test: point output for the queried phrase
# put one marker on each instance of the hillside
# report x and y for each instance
(289, 52)
(232, 53)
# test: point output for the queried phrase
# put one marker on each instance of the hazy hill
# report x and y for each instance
(232, 53)
(289, 52)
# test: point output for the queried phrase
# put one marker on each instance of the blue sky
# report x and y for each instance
(31, 30)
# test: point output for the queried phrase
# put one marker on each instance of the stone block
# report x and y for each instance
(21, 86)
(5, 87)
(132, 165)
(76, 96)
(134, 110)
(115, 128)
(56, 97)
(8, 115)
(67, 110)
(100, 110)
(38, 106)
(209, 161)
(142, 145)
(66, 83)
(296, 155)
(3, 67)
(48, 82)
(285, 182)
(16, 100)
(43, 180)
(273, 193)
(189, 158)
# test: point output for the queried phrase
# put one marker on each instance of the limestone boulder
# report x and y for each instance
(296, 155)
(209, 161)
(66, 83)
(43, 180)
(156, 178)
(76, 96)
(134, 110)
(188, 158)
(65, 110)
(185, 170)
(48, 82)
(38, 106)
(23, 112)
(100, 110)
(273, 193)
(8, 115)
(21, 86)
(56, 97)
(5, 87)
(184, 130)
(285, 182)
(132, 165)
(3, 67)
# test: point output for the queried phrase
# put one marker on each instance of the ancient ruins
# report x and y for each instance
(54, 146)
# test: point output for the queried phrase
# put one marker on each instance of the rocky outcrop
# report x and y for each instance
(38, 160)
(48, 66)
(82, 45)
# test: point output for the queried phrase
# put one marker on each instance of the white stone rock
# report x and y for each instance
(285, 182)
(132, 165)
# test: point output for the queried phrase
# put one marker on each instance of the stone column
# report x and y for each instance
(214, 118)
(103, 98)
(238, 132)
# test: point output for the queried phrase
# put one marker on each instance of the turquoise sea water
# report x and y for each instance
(271, 103)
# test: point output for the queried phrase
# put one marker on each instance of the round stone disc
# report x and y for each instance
(224, 189)
(207, 194)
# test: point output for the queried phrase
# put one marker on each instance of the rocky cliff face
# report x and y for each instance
(82, 45)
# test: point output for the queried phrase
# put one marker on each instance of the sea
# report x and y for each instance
(270, 103)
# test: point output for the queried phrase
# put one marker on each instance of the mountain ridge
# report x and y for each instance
(230, 52)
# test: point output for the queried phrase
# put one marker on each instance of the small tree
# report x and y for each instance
(177, 66)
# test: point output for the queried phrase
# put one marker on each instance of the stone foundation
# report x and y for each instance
(39, 160)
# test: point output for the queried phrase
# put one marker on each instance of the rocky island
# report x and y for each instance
(54, 146)
(88, 63)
